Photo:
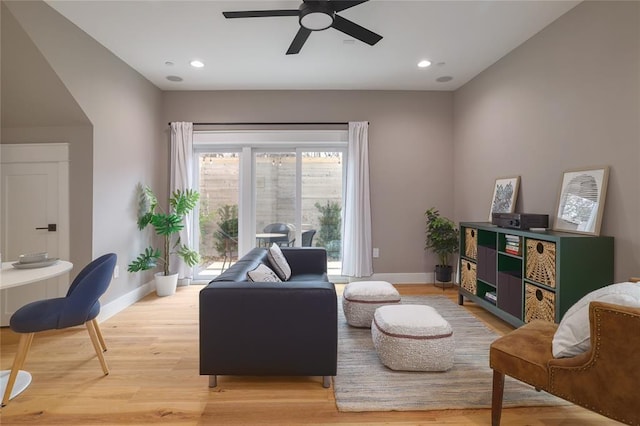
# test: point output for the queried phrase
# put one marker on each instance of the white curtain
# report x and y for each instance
(356, 222)
(182, 178)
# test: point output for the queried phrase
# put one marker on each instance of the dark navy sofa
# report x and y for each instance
(270, 329)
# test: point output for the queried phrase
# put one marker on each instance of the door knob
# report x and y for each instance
(52, 227)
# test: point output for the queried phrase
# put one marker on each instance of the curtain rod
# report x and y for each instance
(325, 123)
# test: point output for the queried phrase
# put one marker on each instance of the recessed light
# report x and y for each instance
(196, 63)
(174, 78)
(168, 63)
(444, 79)
(424, 63)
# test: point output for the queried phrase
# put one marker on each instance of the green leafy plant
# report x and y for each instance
(329, 235)
(227, 235)
(442, 236)
(167, 225)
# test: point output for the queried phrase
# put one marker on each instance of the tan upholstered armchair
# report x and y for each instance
(605, 379)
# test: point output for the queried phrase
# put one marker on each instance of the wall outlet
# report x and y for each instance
(116, 272)
(376, 252)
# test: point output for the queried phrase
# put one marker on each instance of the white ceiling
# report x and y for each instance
(460, 38)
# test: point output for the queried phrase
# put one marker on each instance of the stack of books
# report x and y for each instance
(491, 297)
(512, 245)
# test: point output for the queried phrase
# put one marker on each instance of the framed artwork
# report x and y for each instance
(505, 192)
(581, 200)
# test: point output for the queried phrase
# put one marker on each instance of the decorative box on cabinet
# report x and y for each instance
(469, 276)
(470, 243)
(541, 280)
(541, 262)
(539, 304)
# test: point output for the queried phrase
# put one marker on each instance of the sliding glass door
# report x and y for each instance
(219, 187)
(275, 195)
(321, 203)
(260, 192)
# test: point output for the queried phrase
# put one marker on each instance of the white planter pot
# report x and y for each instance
(184, 282)
(166, 285)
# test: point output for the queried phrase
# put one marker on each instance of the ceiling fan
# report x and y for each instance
(316, 15)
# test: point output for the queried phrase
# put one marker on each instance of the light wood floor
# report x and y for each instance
(153, 357)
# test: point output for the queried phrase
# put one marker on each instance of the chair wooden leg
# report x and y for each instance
(496, 399)
(18, 362)
(103, 345)
(96, 345)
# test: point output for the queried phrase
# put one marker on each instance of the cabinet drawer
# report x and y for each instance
(471, 243)
(539, 304)
(469, 276)
(487, 258)
(510, 294)
(541, 262)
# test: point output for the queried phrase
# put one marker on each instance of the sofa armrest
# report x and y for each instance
(287, 328)
(306, 260)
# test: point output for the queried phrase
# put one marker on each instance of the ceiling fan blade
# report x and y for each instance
(261, 13)
(340, 5)
(298, 41)
(355, 30)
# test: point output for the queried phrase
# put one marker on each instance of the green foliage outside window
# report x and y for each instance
(329, 235)
(226, 237)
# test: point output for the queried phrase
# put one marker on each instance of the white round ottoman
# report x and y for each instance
(413, 338)
(360, 300)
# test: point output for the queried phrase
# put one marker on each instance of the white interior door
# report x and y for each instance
(34, 194)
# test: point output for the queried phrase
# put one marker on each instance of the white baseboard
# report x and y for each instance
(121, 303)
(400, 278)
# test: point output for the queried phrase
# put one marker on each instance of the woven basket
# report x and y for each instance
(541, 262)
(471, 243)
(539, 304)
(469, 276)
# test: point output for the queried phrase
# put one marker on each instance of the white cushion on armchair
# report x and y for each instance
(573, 334)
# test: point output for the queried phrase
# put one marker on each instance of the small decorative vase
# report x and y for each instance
(166, 284)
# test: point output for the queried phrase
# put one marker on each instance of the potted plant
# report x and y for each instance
(167, 225)
(442, 239)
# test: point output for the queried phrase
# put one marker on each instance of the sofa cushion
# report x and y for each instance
(263, 273)
(278, 262)
(573, 334)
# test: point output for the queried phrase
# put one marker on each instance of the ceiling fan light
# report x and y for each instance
(316, 21)
(316, 16)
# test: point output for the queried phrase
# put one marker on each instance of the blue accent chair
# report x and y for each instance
(79, 306)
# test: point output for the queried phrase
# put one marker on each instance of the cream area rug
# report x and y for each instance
(363, 383)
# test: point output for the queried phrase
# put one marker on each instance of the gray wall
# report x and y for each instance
(410, 152)
(128, 142)
(567, 98)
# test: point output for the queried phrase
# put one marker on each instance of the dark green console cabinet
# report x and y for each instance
(524, 275)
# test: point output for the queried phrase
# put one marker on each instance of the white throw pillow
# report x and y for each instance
(573, 335)
(279, 263)
(263, 274)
